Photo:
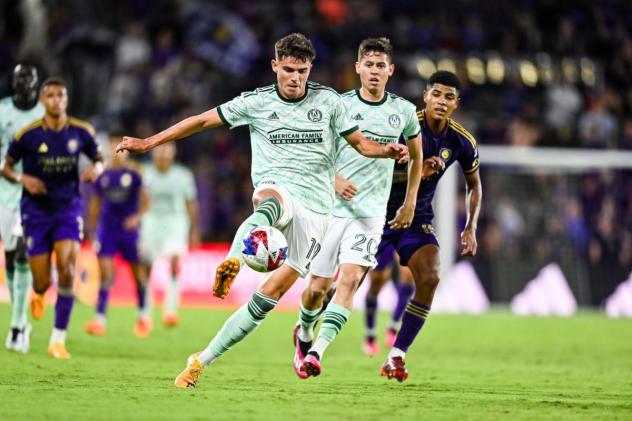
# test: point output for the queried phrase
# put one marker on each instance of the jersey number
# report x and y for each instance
(370, 246)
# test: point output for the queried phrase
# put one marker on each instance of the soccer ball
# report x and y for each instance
(265, 249)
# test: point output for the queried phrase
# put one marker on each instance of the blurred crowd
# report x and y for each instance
(136, 66)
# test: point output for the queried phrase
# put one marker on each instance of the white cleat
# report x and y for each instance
(25, 339)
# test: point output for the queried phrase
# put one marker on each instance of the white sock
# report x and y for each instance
(58, 335)
(100, 318)
(206, 357)
(396, 352)
(320, 346)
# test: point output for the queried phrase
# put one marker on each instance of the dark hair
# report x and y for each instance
(378, 45)
(444, 77)
(51, 81)
(295, 45)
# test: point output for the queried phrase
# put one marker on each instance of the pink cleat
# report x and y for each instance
(370, 347)
(394, 368)
(298, 355)
(391, 335)
(311, 365)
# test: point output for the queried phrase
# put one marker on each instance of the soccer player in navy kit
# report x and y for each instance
(49, 149)
(444, 142)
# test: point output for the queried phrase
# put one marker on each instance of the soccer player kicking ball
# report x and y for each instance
(358, 214)
(293, 127)
(170, 226)
(49, 149)
(444, 142)
(16, 112)
(114, 215)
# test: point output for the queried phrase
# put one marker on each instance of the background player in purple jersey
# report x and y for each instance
(114, 217)
(444, 142)
(51, 208)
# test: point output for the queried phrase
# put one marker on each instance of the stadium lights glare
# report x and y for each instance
(528, 73)
(587, 71)
(446, 64)
(425, 67)
(496, 70)
(475, 70)
(569, 70)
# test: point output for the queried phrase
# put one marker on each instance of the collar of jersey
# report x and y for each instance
(380, 102)
(299, 99)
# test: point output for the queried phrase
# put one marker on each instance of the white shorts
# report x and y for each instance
(162, 238)
(10, 228)
(303, 229)
(348, 240)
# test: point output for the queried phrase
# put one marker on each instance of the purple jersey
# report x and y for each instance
(453, 144)
(119, 190)
(53, 157)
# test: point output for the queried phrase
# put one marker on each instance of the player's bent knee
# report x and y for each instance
(318, 286)
(430, 279)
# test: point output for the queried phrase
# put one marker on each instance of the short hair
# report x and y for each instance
(444, 77)
(295, 45)
(53, 81)
(378, 45)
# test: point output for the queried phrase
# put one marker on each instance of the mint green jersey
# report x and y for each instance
(13, 119)
(383, 122)
(293, 141)
(168, 193)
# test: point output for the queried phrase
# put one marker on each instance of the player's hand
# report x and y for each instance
(432, 165)
(33, 185)
(345, 188)
(132, 222)
(134, 144)
(468, 242)
(397, 151)
(403, 217)
(89, 175)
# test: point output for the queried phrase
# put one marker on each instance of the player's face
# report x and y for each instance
(374, 69)
(24, 79)
(164, 156)
(292, 75)
(55, 100)
(441, 101)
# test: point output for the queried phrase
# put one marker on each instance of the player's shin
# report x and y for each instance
(238, 326)
(267, 213)
(23, 280)
(334, 319)
(404, 293)
(412, 322)
(63, 310)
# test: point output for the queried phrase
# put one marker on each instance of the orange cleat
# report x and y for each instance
(170, 319)
(191, 374)
(38, 305)
(143, 327)
(94, 327)
(225, 275)
(394, 368)
(58, 350)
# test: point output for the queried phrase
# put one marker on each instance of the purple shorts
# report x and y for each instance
(113, 240)
(405, 242)
(42, 229)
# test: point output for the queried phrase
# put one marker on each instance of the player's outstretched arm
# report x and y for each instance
(473, 197)
(32, 184)
(184, 128)
(404, 216)
(373, 149)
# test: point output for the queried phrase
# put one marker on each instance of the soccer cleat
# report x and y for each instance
(94, 327)
(394, 368)
(25, 339)
(311, 364)
(225, 275)
(370, 347)
(13, 339)
(143, 327)
(299, 354)
(58, 350)
(38, 305)
(391, 335)
(191, 374)
(170, 319)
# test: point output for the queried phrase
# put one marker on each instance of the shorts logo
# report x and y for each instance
(445, 154)
(394, 120)
(72, 146)
(29, 242)
(314, 115)
(126, 180)
(427, 228)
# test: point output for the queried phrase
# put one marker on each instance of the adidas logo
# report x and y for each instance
(357, 117)
(273, 116)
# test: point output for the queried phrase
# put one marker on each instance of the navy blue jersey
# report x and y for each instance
(453, 144)
(53, 157)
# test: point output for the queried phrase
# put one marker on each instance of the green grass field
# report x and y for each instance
(491, 367)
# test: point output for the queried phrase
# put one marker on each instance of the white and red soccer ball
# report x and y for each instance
(264, 249)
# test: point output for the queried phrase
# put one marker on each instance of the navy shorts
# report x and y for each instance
(405, 242)
(112, 240)
(42, 228)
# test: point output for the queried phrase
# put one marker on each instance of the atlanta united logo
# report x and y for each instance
(73, 145)
(394, 121)
(314, 115)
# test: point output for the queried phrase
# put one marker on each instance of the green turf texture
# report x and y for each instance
(487, 367)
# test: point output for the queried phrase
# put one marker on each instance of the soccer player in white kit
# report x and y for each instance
(293, 127)
(363, 185)
(16, 112)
